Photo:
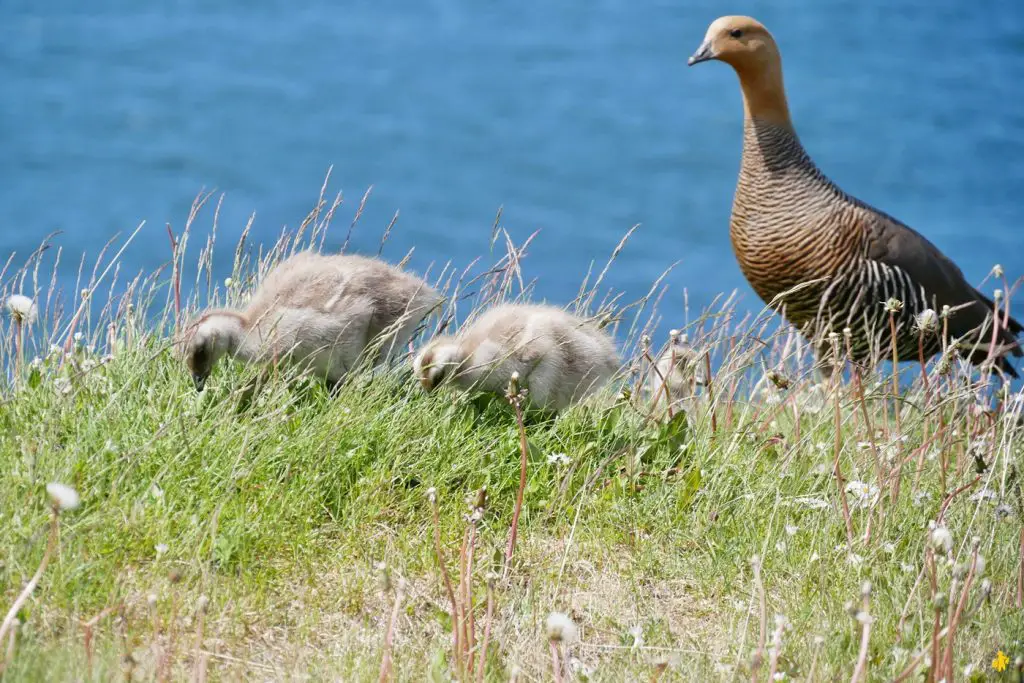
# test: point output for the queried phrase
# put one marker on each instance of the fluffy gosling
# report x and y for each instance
(315, 311)
(560, 358)
(677, 373)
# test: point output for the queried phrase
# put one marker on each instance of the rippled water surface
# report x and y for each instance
(580, 119)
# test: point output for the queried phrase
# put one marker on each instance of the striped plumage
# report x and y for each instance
(825, 259)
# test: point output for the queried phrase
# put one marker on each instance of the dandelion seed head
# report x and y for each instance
(22, 309)
(561, 628)
(942, 539)
(63, 496)
(927, 320)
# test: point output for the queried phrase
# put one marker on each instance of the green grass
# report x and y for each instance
(287, 513)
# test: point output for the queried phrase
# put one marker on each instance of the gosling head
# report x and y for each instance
(438, 361)
(208, 339)
(742, 42)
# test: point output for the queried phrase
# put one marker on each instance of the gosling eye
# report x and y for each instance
(736, 33)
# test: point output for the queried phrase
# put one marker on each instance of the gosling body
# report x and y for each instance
(675, 378)
(318, 312)
(560, 358)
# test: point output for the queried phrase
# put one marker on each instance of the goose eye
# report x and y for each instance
(736, 33)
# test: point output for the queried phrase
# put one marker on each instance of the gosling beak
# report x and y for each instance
(428, 380)
(199, 381)
(703, 54)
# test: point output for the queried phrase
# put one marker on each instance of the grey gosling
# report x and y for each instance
(317, 312)
(560, 357)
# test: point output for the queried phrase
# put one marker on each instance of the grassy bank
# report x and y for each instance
(286, 539)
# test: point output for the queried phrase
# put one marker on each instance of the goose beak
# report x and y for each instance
(199, 381)
(703, 54)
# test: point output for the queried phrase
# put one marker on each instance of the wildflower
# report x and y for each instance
(637, 634)
(779, 676)
(893, 305)
(864, 618)
(156, 492)
(63, 496)
(814, 557)
(854, 559)
(997, 270)
(927, 321)
(819, 640)
(85, 294)
(560, 628)
(1003, 511)
(889, 548)
(986, 494)
(558, 459)
(899, 654)
(22, 309)
(202, 603)
(228, 282)
(942, 539)
(906, 567)
(432, 494)
(78, 337)
(791, 529)
(37, 363)
(54, 350)
(62, 385)
(863, 494)
(781, 546)
(161, 548)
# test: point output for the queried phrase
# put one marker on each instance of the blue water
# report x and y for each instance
(580, 119)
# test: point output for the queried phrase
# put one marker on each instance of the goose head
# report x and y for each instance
(209, 339)
(438, 361)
